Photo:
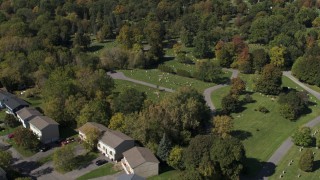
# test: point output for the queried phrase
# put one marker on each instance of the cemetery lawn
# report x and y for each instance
(152, 94)
(293, 170)
(262, 133)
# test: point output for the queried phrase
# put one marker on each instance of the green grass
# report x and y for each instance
(262, 133)
(167, 80)
(45, 159)
(34, 101)
(99, 172)
(168, 175)
(97, 48)
(314, 87)
(7, 130)
(293, 170)
(151, 93)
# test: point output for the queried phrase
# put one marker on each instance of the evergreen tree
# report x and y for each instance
(164, 148)
(306, 161)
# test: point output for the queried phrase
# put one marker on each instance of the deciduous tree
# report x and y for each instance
(223, 126)
(306, 161)
(5, 159)
(20, 136)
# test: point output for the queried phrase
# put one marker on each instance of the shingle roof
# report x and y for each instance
(11, 100)
(100, 127)
(27, 112)
(130, 177)
(139, 155)
(41, 122)
(114, 138)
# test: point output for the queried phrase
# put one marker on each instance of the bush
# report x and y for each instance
(183, 73)
(306, 161)
(10, 121)
(248, 99)
(263, 109)
(182, 58)
(165, 68)
(302, 137)
(229, 104)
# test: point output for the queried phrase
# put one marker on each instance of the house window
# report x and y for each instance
(110, 152)
(98, 145)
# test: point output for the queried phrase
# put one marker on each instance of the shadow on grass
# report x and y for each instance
(26, 167)
(95, 48)
(83, 161)
(241, 135)
(66, 132)
(316, 165)
(42, 172)
(255, 169)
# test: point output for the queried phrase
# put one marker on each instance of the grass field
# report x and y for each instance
(314, 87)
(293, 170)
(22, 151)
(168, 175)
(152, 94)
(262, 133)
(99, 172)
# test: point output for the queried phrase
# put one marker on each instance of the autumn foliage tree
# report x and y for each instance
(20, 136)
(223, 126)
(238, 86)
(270, 80)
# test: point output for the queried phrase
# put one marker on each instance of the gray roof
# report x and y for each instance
(114, 138)
(14, 102)
(100, 127)
(41, 122)
(27, 113)
(130, 177)
(139, 155)
(5, 95)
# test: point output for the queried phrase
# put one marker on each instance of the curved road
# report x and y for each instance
(269, 167)
(207, 92)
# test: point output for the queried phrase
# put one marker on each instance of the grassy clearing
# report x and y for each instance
(24, 152)
(262, 133)
(97, 48)
(34, 101)
(293, 170)
(104, 170)
(152, 94)
(314, 87)
(45, 159)
(168, 175)
(66, 132)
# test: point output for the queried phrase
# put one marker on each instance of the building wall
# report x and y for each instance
(106, 150)
(147, 169)
(50, 134)
(36, 131)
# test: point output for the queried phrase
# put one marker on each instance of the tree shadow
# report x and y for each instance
(95, 48)
(316, 165)
(83, 161)
(42, 172)
(255, 169)
(26, 167)
(241, 135)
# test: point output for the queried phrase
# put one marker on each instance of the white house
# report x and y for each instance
(26, 114)
(113, 143)
(45, 128)
(140, 161)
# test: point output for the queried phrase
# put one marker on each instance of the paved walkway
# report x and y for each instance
(287, 144)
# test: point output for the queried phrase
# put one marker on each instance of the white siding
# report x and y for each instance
(106, 150)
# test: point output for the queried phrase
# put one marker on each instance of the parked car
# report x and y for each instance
(44, 148)
(59, 141)
(101, 162)
(10, 136)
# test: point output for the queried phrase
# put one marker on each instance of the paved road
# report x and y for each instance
(269, 168)
(311, 91)
(120, 75)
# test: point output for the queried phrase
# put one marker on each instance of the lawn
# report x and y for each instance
(96, 47)
(104, 170)
(262, 133)
(314, 87)
(22, 151)
(293, 170)
(168, 175)
(152, 94)
(45, 159)
(34, 101)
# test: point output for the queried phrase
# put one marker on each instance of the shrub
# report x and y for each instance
(263, 109)
(183, 73)
(165, 68)
(182, 58)
(10, 121)
(302, 137)
(248, 99)
(306, 161)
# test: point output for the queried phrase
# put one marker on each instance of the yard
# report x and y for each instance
(152, 94)
(262, 133)
(292, 171)
(104, 170)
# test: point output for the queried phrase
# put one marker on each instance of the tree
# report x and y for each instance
(164, 147)
(223, 126)
(238, 86)
(201, 45)
(20, 136)
(208, 71)
(63, 158)
(260, 59)
(293, 104)
(117, 122)
(302, 137)
(277, 56)
(229, 104)
(125, 36)
(225, 53)
(270, 80)
(307, 69)
(81, 40)
(5, 159)
(10, 121)
(128, 101)
(92, 137)
(306, 161)
(175, 158)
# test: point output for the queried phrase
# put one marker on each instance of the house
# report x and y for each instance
(26, 114)
(11, 102)
(113, 143)
(3, 174)
(98, 126)
(140, 161)
(130, 177)
(45, 128)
